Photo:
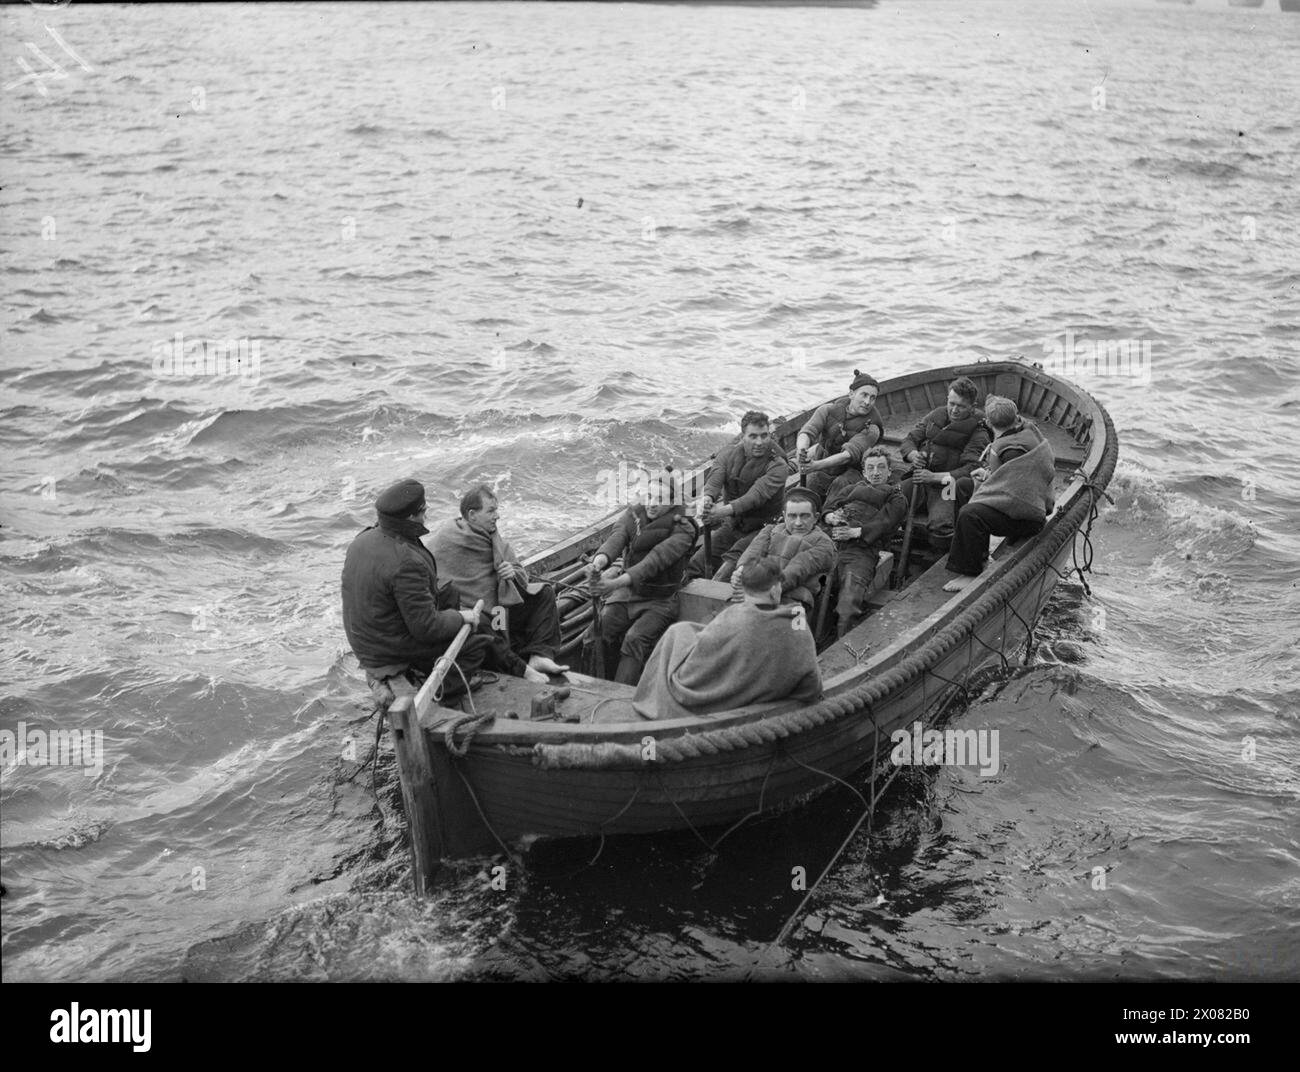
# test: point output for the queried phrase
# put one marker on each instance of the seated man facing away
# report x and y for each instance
(842, 433)
(395, 614)
(752, 652)
(1012, 496)
(945, 446)
(471, 552)
(864, 510)
(641, 602)
(743, 492)
(801, 549)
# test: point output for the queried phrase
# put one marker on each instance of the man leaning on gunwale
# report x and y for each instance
(1012, 494)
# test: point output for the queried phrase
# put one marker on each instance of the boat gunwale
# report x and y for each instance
(911, 641)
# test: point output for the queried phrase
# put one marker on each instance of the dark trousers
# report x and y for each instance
(482, 649)
(975, 524)
(821, 480)
(855, 569)
(633, 628)
(940, 512)
(535, 625)
(722, 539)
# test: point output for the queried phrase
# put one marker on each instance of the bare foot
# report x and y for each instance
(959, 581)
(545, 665)
(535, 675)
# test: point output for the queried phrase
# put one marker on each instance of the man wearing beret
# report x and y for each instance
(397, 618)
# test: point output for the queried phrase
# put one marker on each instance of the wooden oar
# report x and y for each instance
(597, 640)
(899, 577)
(424, 698)
(905, 552)
(593, 640)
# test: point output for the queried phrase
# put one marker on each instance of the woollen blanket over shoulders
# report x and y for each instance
(748, 654)
(470, 559)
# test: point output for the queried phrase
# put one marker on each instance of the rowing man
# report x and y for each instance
(397, 616)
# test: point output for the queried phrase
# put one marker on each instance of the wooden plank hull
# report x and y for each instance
(520, 799)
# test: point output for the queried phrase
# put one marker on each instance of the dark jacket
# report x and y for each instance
(657, 551)
(877, 509)
(1020, 480)
(754, 487)
(954, 446)
(1019, 439)
(391, 608)
(833, 428)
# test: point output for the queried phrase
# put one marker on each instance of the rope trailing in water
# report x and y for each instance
(868, 810)
(482, 815)
(685, 817)
(381, 712)
(762, 792)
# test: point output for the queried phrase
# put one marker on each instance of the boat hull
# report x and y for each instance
(521, 799)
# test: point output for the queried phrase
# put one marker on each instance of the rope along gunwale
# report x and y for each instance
(1068, 526)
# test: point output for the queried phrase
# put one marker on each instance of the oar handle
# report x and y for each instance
(444, 664)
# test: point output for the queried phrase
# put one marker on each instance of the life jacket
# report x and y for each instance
(648, 535)
(948, 439)
(872, 495)
(863, 505)
(840, 427)
(739, 476)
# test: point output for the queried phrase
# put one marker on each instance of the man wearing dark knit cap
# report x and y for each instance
(839, 433)
(397, 618)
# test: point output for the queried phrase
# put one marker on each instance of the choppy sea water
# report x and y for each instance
(519, 243)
